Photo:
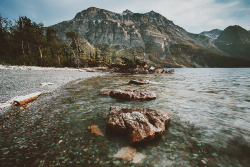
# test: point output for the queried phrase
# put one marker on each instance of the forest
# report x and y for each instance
(26, 42)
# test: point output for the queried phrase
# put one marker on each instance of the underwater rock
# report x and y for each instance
(138, 124)
(138, 82)
(105, 91)
(129, 153)
(128, 94)
(95, 130)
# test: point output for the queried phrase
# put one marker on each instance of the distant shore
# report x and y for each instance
(23, 80)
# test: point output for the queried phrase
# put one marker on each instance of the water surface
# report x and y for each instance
(210, 124)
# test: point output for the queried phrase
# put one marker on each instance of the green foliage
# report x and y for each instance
(4, 37)
(29, 43)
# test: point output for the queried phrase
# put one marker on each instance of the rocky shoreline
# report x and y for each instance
(24, 80)
(150, 122)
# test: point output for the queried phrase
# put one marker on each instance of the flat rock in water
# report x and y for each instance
(138, 82)
(138, 124)
(129, 153)
(128, 94)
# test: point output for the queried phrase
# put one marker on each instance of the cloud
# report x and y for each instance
(193, 15)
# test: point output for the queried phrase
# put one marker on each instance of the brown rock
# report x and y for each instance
(95, 129)
(137, 123)
(159, 71)
(137, 82)
(170, 71)
(128, 94)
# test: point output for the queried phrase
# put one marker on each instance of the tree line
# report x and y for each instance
(25, 42)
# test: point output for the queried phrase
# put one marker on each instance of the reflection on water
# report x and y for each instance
(210, 124)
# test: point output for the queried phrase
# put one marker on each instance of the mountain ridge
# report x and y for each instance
(235, 41)
(162, 40)
(212, 34)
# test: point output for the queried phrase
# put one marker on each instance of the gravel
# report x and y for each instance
(23, 80)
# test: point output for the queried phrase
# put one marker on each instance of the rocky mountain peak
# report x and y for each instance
(125, 12)
(165, 42)
(212, 35)
(235, 41)
(234, 34)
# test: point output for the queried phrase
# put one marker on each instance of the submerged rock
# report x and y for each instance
(95, 130)
(129, 153)
(105, 91)
(128, 94)
(138, 124)
(138, 82)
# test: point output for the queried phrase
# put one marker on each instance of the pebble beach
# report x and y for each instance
(23, 80)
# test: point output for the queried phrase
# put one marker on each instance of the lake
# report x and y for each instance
(210, 122)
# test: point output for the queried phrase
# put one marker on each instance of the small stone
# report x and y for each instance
(95, 129)
(129, 153)
(138, 157)
(215, 154)
(203, 161)
(105, 91)
(195, 155)
(5, 153)
(125, 153)
(116, 162)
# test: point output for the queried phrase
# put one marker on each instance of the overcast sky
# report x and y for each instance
(193, 15)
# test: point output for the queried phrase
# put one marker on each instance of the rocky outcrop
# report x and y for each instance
(138, 124)
(129, 94)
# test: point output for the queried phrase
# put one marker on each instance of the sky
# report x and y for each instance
(193, 15)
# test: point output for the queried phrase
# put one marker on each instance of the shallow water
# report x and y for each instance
(210, 124)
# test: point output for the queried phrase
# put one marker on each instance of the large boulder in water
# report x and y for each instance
(139, 124)
(128, 94)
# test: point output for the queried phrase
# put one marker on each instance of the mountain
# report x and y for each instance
(235, 41)
(162, 41)
(212, 35)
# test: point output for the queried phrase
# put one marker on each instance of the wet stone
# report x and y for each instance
(128, 94)
(137, 123)
(138, 82)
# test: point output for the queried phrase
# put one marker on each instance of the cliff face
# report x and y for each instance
(128, 29)
(151, 31)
